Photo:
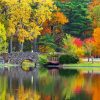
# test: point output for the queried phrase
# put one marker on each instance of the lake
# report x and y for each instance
(43, 84)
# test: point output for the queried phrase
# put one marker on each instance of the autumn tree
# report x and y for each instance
(26, 18)
(95, 14)
(43, 11)
(53, 27)
(80, 51)
(73, 46)
(69, 46)
(93, 3)
(94, 9)
(96, 36)
(3, 42)
(89, 48)
(58, 19)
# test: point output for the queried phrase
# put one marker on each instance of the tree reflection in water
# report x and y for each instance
(49, 87)
(24, 94)
(3, 87)
(96, 87)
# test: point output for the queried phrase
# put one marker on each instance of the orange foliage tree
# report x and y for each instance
(94, 3)
(96, 36)
(58, 18)
(96, 87)
(94, 8)
(54, 27)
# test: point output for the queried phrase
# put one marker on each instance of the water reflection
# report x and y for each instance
(96, 87)
(3, 87)
(50, 86)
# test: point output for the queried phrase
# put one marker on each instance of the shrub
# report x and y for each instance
(67, 59)
(43, 59)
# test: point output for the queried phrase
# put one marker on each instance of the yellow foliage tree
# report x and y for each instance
(3, 43)
(26, 17)
(80, 51)
(25, 23)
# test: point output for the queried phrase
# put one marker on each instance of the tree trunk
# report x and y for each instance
(92, 59)
(88, 58)
(10, 45)
(91, 56)
(35, 46)
(21, 47)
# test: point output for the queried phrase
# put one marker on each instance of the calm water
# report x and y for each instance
(49, 85)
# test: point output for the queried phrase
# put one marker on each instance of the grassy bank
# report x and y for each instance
(8, 65)
(84, 64)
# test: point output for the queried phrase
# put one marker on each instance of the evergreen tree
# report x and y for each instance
(79, 25)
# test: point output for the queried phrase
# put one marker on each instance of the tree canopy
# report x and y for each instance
(3, 43)
(79, 25)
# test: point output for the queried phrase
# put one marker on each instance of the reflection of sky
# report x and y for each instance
(51, 87)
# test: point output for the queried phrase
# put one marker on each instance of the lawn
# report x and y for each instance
(7, 65)
(85, 66)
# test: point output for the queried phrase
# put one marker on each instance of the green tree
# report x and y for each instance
(79, 25)
(47, 41)
(69, 47)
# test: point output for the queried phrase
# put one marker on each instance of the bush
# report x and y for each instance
(43, 59)
(68, 59)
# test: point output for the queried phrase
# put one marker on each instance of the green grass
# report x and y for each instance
(85, 66)
(8, 65)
